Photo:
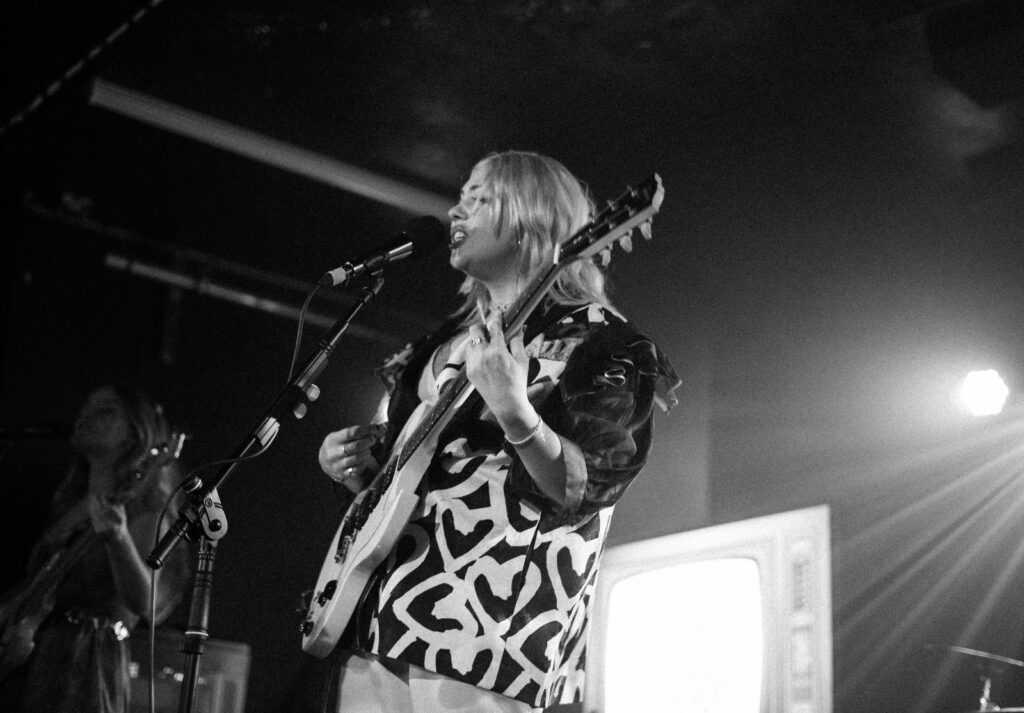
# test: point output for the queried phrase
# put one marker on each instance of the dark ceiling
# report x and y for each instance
(840, 240)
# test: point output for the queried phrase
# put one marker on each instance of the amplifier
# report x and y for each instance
(223, 674)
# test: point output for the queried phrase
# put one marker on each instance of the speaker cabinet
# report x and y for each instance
(223, 674)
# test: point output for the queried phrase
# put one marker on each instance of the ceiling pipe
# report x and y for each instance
(210, 288)
(230, 137)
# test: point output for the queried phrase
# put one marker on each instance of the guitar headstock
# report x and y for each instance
(616, 222)
(170, 450)
(157, 457)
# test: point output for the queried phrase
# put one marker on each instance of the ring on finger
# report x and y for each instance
(350, 471)
(475, 341)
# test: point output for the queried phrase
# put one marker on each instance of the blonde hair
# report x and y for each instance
(539, 204)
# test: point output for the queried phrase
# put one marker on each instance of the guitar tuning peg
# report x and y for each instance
(606, 257)
(626, 243)
(645, 229)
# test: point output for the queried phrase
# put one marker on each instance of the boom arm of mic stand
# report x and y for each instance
(300, 391)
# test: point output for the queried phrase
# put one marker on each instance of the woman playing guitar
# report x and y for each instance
(63, 644)
(481, 604)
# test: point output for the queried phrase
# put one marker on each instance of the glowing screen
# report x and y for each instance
(686, 637)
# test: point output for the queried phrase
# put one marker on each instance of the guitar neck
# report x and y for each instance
(58, 563)
(452, 394)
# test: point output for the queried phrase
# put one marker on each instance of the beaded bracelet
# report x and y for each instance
(528, 437)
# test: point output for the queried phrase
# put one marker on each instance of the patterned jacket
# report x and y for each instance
(490, 582)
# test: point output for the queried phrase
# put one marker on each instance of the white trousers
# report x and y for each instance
(369, 684)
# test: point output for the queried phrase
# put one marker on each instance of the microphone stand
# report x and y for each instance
(196, 632)
(204, 518)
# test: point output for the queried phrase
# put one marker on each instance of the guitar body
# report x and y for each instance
(24, 609)
(20, 624)
(348, 566)
(375, 520)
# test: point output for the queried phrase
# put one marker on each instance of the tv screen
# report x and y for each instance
(733, 617)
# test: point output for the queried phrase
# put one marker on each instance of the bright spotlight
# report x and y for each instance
(984, 392)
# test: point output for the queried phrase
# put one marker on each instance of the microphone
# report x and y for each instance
(35, 430)
(417, 238)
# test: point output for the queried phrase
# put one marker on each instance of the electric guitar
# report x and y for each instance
(375, 519)
(26, 606)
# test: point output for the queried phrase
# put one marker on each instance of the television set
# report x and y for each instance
(735, 617)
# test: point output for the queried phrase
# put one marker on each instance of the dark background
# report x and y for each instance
(839, 243)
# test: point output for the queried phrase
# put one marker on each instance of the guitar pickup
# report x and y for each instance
(323, 597)
(339, 555)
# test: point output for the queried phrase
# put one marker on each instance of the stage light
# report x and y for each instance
(984, 392)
